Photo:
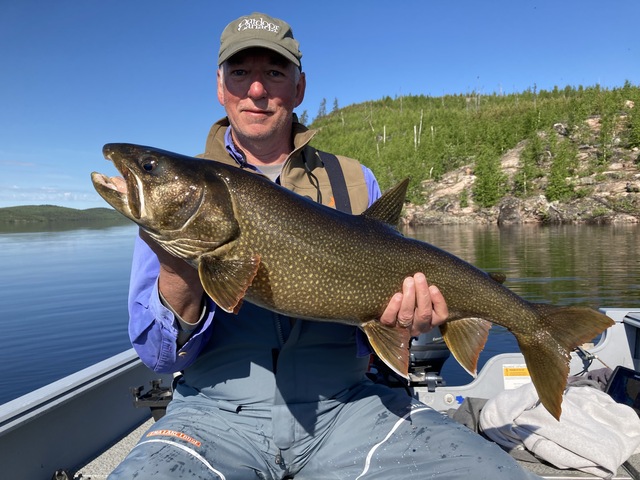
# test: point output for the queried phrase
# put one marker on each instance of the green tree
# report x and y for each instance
(530, 160)
(322, 111)
(633, 129)
(304, 117)
(562, 166)
(606, 136)
(490, 184)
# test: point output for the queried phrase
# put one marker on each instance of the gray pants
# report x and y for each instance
(372, 432)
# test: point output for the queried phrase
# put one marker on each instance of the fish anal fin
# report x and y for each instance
(391, 344)
(388, 208)
(466, 338)
(227, 280)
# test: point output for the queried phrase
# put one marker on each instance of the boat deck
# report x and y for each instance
(100, 467)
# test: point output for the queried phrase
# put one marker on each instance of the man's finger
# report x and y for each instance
(440, 309)
(408, 305)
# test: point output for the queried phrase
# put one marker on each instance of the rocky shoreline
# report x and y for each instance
(515, 211)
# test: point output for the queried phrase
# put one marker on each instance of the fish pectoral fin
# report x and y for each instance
(227, 280)
(466, 338)
(391, 344)
(388, 208)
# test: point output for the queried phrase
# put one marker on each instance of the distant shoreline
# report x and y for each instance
(33, 214)
(52, 218)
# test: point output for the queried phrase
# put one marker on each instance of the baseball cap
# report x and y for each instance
(259, 30)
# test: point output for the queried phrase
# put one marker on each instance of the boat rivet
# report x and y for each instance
(448, 399)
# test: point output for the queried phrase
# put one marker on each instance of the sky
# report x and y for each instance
(76, 74)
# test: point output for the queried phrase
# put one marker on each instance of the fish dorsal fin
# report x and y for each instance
(466, 338)
(388, 208)
(227, 280)
(391, 344)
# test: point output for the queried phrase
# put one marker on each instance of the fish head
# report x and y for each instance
(181, 201)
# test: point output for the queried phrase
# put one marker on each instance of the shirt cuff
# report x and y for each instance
(185, 330)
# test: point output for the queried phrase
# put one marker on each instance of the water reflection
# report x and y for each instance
(564, 265)
(61, 225)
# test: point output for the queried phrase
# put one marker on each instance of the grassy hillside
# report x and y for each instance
(425, 137)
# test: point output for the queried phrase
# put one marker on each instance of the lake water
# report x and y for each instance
(63, 293)
(63, 297)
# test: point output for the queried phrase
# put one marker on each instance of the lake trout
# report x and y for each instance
(252, 239)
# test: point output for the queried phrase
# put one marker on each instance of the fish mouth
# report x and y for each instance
(113, 190)
(119, 192)
(118, 184)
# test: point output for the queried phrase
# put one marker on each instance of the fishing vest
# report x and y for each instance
(303, 166)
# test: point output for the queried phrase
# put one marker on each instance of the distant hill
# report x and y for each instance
(49, 214)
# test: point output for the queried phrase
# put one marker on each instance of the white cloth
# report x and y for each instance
(595, 434)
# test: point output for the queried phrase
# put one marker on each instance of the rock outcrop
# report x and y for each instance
(604, 195)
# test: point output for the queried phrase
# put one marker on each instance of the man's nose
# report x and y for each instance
(257, 88)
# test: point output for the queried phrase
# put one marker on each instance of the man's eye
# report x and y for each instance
(238, 73)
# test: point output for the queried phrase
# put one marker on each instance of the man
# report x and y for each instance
(262, 395)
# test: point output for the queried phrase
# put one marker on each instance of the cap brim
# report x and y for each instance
(257, 43)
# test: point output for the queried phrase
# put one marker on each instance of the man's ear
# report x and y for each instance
(220, 85)
(300, 89)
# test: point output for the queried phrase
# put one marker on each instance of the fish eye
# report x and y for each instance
(148, 163)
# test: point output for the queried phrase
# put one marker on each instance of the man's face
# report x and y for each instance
(259, 90)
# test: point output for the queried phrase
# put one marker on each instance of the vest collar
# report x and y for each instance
(301, 138)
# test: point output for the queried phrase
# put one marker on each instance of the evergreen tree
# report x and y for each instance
(304, 117)
(562, 166)
(490, 184)
(530, 160)
(322, 111)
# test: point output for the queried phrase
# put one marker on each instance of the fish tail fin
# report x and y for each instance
(391, 344)
(547, 351)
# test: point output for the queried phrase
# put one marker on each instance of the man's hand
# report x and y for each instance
(419, 307)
